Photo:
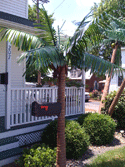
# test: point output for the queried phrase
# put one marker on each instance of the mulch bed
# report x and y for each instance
(94, 151)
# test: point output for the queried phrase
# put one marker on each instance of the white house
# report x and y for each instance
(17, 126)
(117, 78)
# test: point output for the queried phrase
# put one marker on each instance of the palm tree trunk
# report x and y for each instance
(114, 102)
(39, 78)
(61, 146)
(108, 79)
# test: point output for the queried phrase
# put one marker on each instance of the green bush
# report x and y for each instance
(82, 117)
(38, 156)
(77, 140)
(100, 128)
(49, 135)
(70, 83)
(95, 94)
(119, 111)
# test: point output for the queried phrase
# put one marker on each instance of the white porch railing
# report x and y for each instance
(22, 98)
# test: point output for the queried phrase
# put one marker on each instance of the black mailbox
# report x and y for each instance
(45, 109)
(4, 78)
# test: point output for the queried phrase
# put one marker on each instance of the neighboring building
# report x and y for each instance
(93, 83)
(91, 80)
(75, 74)
(17, 125)
(118, 78)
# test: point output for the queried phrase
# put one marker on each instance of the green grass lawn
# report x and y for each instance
(113, 158)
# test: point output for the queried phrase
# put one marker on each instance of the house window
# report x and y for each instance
(96, 85)
(73, 74)
(120, 79)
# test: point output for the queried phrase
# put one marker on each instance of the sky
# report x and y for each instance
(68, 10)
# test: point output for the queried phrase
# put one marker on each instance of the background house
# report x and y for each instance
(118, 78)
(92, 81)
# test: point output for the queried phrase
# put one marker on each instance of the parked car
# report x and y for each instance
(87, 97)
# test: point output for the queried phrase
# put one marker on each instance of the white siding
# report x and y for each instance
(2, 70)
(114, 83)
(17, 81)
(123, 57)
(114, 80)
(15, 7)
(16, 70)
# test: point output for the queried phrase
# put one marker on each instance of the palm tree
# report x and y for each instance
(114, 31)
(113, 8)
(44, 51)
(121, 34)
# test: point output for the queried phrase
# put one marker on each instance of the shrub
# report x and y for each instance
(38, 156)
(95, 94)
(49, 135)
(82, 117)
(70, 83)
(119, 111)
(77, 140)
(100, 128)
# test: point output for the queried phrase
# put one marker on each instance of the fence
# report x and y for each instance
(22, 98)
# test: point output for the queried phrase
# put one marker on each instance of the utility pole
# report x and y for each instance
(38, 21)
(38, 11)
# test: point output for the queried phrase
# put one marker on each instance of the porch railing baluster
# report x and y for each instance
(21, 103)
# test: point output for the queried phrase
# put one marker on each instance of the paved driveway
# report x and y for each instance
(92, 106)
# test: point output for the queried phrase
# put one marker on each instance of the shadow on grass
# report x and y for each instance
(110, 163)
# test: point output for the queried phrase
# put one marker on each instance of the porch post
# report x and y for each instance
(8, 87)
(83, 91)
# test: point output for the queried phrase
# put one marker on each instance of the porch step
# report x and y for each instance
(9, 150)
(8, 140)
(10, 153)
(8, 143)
(9, 156)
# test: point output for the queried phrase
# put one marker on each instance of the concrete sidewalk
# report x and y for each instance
(90, 107)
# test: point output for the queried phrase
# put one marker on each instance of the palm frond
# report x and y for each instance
(83, 60)
(114, 30)
(80, 31)
(42, 57)
(99, 65)
(22, 40)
